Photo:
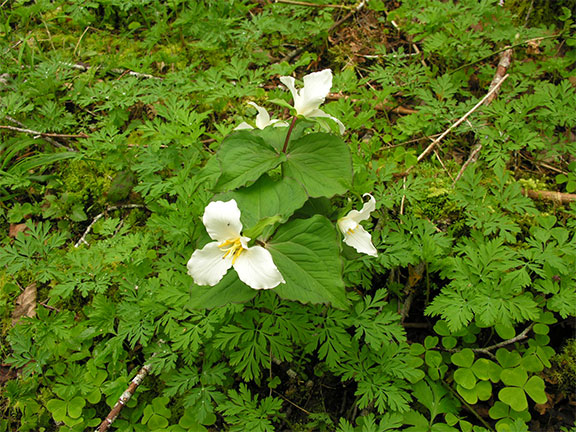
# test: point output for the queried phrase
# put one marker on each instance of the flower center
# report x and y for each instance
(233, 248)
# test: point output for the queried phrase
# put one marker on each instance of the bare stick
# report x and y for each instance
(85, 68)
(488, 350)
(46, 138)
(503, 65)
(124, 398)
(98, 217)
(560, 197)
(460, 121)
(518, 338)
(301, 3)
(43, 134)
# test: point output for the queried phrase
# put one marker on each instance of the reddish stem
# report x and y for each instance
(288, 134)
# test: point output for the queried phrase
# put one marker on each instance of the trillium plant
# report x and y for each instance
(281, 212)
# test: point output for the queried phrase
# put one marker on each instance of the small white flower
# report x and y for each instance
(308, 99)
(208, 265)
(354, 234)
(262, 120)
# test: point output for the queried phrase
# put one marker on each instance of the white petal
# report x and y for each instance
(243, 126)
(320, 113)
(222, 220)
(360, 240)
(256, 269)
(363, 214)
(290, 83)
(316, 88)
(278, 123)
(208, 266)
(263, 118)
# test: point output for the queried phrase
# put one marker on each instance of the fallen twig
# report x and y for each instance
(503, 65)
(124, 398)
(98, 217)
(43, 134)
(46, 137)
(85, 68)
(559, 197)
(301, 3)
(458, 122)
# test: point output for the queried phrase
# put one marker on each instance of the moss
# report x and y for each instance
(540, 12)
(563, 369)
(86, 182)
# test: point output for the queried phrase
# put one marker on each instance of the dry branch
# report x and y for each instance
(499, 76)
(98, 217)
(47, 137)
(460, 121)
(124, 398)
(43, 134)
(560, 197)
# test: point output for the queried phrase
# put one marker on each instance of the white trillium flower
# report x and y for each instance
(262, 119)
(354, 234)
(208, 265)
(308, 99)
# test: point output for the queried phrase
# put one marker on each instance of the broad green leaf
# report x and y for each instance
(243, 158)
(267, 198)
(507, 359)
(486, 370)
(499, 410)
(463, 358)
(321, 163)
(75, 407)
(229, 290)
(469, 395)
(430, 342)
(505, 331)
(484, 390)
(515, 397)
(465, 377)
(514, 377)
(306, 251)
(58, 409)
(433, 358)
(449, 342)
(535, 389)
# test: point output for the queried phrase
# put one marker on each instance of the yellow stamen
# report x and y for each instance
(233, 248)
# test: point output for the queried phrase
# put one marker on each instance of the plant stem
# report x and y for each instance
(288, 134)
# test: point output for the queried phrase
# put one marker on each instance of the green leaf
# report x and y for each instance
(505, 331)
(486, 370)
(75, 407)
(535, 389)
(507, 359)
(499, 410)
(430, 341)
(469, 395)
(243, 158)
(58, 409)
(306, 251)
(229, 290)
(449, 342)
(321, 163)
(515, 397)
(267, 198)
(514, 377)
(484, 390)
(463, 358)
(465, 377)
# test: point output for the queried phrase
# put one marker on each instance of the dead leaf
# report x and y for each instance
(15, 229)
(25, 304)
